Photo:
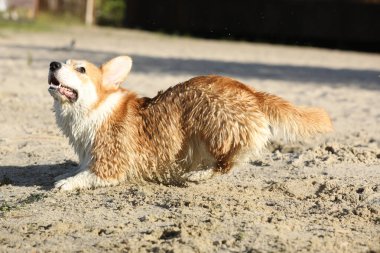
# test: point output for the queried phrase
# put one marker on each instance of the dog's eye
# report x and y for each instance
(81, 70)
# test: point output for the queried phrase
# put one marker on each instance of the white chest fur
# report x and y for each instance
(80, 124)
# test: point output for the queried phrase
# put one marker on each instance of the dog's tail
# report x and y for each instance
(291, 122)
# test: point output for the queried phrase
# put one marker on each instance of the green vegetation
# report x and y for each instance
(110, 12)
(43, 22)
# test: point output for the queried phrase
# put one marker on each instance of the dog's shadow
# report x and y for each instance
(34, 175)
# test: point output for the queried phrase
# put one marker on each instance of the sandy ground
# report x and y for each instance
(318, 196)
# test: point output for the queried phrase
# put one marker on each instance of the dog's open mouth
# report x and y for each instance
(70, 93)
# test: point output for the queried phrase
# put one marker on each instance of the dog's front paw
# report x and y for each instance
(83, 180)
(65, 184)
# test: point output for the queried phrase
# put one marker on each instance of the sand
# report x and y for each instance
(322, 195)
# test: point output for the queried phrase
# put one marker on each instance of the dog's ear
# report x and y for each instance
(116, 70)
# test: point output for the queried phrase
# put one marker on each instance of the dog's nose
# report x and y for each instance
(55, 65)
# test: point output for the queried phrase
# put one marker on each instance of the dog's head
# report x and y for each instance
(78, 82)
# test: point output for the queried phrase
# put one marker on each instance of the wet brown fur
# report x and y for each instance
(156, 139)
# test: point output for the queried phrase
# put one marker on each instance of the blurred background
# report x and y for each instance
(343, 24)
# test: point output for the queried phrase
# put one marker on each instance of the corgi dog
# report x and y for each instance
(190, 132)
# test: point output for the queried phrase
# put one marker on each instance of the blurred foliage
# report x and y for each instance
(44, 22)
(107, 12)
(110, 12)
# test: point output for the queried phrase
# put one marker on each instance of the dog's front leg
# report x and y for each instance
(83, 160)
(84, 178)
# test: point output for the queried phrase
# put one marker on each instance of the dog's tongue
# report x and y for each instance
(67, 92)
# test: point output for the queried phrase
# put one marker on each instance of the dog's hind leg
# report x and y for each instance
(222, 165)
(199, 175)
